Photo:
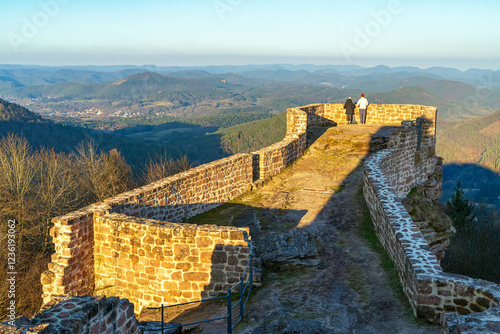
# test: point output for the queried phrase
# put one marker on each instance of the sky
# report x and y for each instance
(420, 33)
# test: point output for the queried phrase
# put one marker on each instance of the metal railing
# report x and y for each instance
(242, 302)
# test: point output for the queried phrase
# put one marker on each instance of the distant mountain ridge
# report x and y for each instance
(198, 91)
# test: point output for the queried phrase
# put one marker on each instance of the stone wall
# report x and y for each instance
(406, 166)
(298, 119)
(72, 270)
(388, 176)
(273, 159)
(80, 315)
(189, 193)
(152, 262)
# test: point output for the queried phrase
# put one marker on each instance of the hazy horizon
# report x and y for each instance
(236, 32)
(236, 64)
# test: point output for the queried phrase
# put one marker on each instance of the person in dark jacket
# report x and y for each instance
(349, 107)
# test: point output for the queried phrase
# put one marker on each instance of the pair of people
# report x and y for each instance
(349, 107)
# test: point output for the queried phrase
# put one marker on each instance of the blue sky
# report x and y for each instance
(204, 32)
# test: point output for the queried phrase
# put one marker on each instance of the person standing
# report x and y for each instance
(362, 105)
(349, 107)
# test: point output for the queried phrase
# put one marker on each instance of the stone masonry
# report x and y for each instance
(135, 244)
(151, 262)
(433, 294)
(75, 315)
(101, 245)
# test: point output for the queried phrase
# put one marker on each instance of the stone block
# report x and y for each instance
(196, 277)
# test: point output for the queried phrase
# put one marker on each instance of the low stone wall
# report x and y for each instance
(275, 158)
(328, 114)
(80, 315)
(189, 193)
(72, 270)
(152, 262)
(388, 176)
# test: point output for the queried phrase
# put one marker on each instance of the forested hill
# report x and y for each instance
(471, 150)
(475, 140)
(14, 112)
(42, 133)
(202, 139)
(134, 85)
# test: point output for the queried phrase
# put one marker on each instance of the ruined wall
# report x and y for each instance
(189, 193)
(407, 166)
(152, 262)
(72, 270)
(129, 245)
(273, 159)
(80, 315)
(388, 176)
(329, 114)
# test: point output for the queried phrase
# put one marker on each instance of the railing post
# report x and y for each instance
(229, 319)
(241, 297)
(251, 273)
(162, 324)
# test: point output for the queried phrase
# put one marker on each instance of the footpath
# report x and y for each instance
(321, 270)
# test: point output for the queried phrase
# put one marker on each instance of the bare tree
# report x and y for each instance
(17, 176)
(103, 175)
(57, 190)
(163, 166)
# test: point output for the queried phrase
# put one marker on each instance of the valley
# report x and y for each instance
(213, 111)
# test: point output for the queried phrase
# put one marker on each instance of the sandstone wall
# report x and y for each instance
(189, 193)
(388, 114)
(407, 166)
(273, 159)
(72, 270)
(152, 262)
(80, 315)
(388, 176)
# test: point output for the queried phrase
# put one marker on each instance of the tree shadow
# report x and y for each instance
(478, 241)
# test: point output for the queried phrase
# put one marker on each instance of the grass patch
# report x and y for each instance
(337, 189)
(367, 231)
(248, 198)
(294, 189)
(357, 282)
(221, 216)
(227, 213)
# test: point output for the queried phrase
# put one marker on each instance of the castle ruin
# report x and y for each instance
(134, 246)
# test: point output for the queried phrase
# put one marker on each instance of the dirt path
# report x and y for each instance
(320, 274)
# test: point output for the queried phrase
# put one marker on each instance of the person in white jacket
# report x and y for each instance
(362, 105)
